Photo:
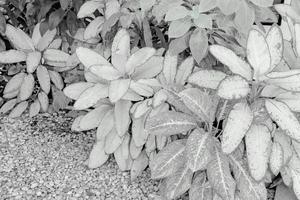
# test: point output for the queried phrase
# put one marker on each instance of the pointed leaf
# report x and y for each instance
(207, 78)
(97, 156)
(44, 78)
(198, 44)
(170, 67)
(92, 119)
(276, 158)
(27, 87)
(139, 165)
(12, 56)
(233, 87)
(34, 108)
(19, 39)
(117, 89)
(184, 70)
(275, 42)
(32, 61)
(141, 89)
(94, 28)
(122, 117)
(291, 83)
(8, 106)
(139, 134)
(200, 189)
(46, 39)
(88, 8)
(112, 141)
(89, 57)
(18, 110)
(106, 72)
(12, 87)
(106, 124)
(149, 69)
(44, 101)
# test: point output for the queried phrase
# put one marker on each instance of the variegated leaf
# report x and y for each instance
(74, 90)
(207, 78)
(233, 87)
(122, 117)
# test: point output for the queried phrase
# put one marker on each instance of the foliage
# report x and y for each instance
(191, 89)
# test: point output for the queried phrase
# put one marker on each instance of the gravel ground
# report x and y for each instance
(41, 158)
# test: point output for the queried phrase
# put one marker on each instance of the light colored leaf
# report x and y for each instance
(198, 44)
(122, 155)
(286, 144)
(18, 110)
(55, 57)
(141, 89)
(207, 78)
(263, 3)
(292, 100)
(111, 7)
(122, 117)
(276, 158)
(200, 188)
(200, 103)
(199, 150)
(88, 8)
(139, 134)
(239, 120)
(219, 175)
(134, 149)
(296, 182)
(12, 56)
(19, 39)
(44, 101)
(233, 87)
(170, 123)
(249, 189)
(132, 96)
(275, 42)
(112, 141)
(106, 124)
(284, 193)
(27, 87)
(205, 6)
(32, 61)
(92, 119)
(90, 96)
(94, 28)
(97, 156)
(258, 53)
(117, 89)
(258, 140)
(184, 70)
(36, 34)
(149, 69)
(74, 90)
(236, 64)
(179, 27)
(297, 38)
(44, 78)
(290, 83)
(10, 104)
(34, 108)
(89, 57)
(106, 72)
(170, 67)
(225, 8)
(284, 117)
(168, 160)
(175, 13)
(12, 87)
(203, 21)
(139, 165)
(244, 17)
(56, 78)
(55, 44)
(46, 39)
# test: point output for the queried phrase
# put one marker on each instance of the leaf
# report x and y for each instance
(248, 187)
(65, 4)
(12, 56)
(198, 150)
(233, 87)
(32, 61)
(258, 140)
(90, 96)
(122, 117)
(207, 78)
(112, 141)
(198, 44)
(111, 7)
(168, 160)
(88, 8)
(285, 143)
(134, 149)
(219, 175)
(227, 6)
(263, 3)
(200, 188)
(239, 121)
(178, 45)
(276, 158)
(231, 60)
(149, 69)
(20, 40)
(184, 70)
(283, 116)
(93, 118)
(97, 156)
(291, 83)
(139, 134)
(141, 89)
(170, 123)
(106, 72)
(46, 39)
(74, 90)
(117, 89)
(258, 53)
(89, 57)
(284, 193)
(36, 34)
(94, 28)
(18, 110)
(27, 87)
(179, 182)
(55, 18)
(139, 165)
(147, 32)
(200, 103)
(296, 182)
(138, 58)
(275, 42)
(44, 101)
(175, 13)
(106, 125)
(44, 78)
(179, 27)
(297, 38)
(10, 104)
(146, 4)
(12, 87)
(34, 108)
(122, 155)
(56, 78)
(170, 67)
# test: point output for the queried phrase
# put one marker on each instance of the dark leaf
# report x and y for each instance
(65, 4)
(55, 18)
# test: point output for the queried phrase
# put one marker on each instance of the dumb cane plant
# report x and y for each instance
(43, 61)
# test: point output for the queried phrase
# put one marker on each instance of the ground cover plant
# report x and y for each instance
(192, 89)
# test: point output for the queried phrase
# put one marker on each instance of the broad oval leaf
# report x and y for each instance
(122, 117)
(168, 160)
(297, 38)
(106, 72)
(19, 38)
(207, 78)
(89, 57)
(34, 108)
(32, 61)
(219, 175)
(263, 3)
(149, 69)
(141, 89)
(170, 123)
(27, 87)
(233, 87)
(46, 39)
(112, 141)
(134, 149)
(179, 27)
(55, 57)
(88, 8)
(94, 28)
(200, 189)
(18, 110)
(177, 12)
(97, 156)
(170, 67)
(290, 83)
(44, 101)
(236, 64)
(199, 149)
(56, 79)
(276, 158)
(284, 117)
(8, 106)
(12, 87)
(275, 42)
(258, 53)
(239, 120)
(198, 44)
(44, 78)
(139, 165)
(122, 155)
(92, 119)
(90, 96)
(184, 70)
(258, 140)
(120, 49)
(12, 56)
(74, 90)
(117, 89)
(139, 134)
(106, 124)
